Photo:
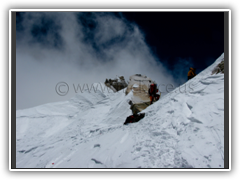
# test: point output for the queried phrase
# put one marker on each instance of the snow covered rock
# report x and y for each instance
(140, 85)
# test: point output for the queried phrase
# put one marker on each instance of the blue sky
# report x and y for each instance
(90, 47)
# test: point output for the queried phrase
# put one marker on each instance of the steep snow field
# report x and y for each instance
(181, 130)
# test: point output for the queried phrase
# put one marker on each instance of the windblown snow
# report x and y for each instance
(184, 129)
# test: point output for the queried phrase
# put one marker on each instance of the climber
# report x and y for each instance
(153, 92)
(191, 73)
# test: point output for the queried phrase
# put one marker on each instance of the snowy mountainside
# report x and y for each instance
(190, 126)
(181, 130)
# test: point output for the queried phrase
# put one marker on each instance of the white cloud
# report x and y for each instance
(109, 27)
(120, 50)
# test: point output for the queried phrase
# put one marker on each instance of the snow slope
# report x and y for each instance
(181, 130)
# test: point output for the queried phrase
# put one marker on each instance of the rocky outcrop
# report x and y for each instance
(139, 85)
(116, 84)
(136, 108)
(219, 68)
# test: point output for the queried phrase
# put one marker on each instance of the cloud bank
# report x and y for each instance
(78, 48)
